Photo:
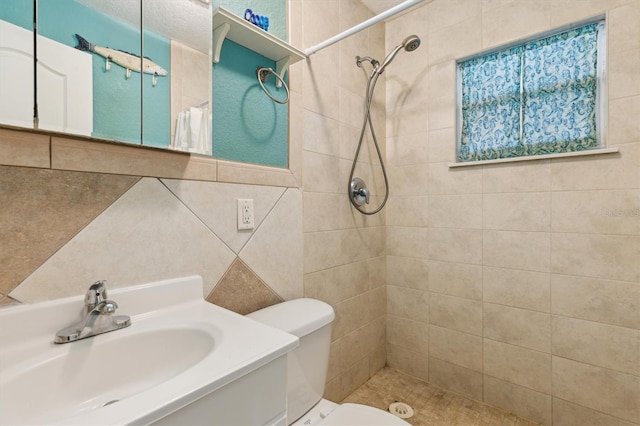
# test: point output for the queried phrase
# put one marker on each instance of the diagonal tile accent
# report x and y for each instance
(43, 209)
(242, 291)
(146, 235)
(275, 252)
(215, 204)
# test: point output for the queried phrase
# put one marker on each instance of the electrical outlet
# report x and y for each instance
(245, 213)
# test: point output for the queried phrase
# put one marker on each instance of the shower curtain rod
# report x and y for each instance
(366, 24)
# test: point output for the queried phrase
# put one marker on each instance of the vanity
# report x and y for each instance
(181, 361)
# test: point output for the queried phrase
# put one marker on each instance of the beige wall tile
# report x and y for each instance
(280, 234)
(611, 171)
(240, 290)
(321, 134)
(462, 349)
(442, 145)
(623, 128)
(24, 149)
(410, 242)
(455, 41)
(407, 149)
(353, 377)
(321, 285)
(624, 80)
(321, 173)
(408, 272)
(455, 378)
(463, 180)
(455, 279)
(443, 13)
(517, 399)
(599, 256)
(517, 365)
(518, 250)
(411, 362)
(514, 287)
(43, 209)
(405, 98)
(520, 327)
(215, 203)
(607, 391)
(517, 177)
(408, 303)
(314, 14)
(455, 245)
(514, 21)
(606, 301)
(321, 250)
(455, 211)
(320, 211)
(135, 230)
(126, 159)
(596, 212)
(456, 313)
(624, 29)
(408, 211)
(608, 346)
(442, 111)
(355, 347)
(316, 78)
(408, 181)
(566, 414)
(529, 211)
(408, 334)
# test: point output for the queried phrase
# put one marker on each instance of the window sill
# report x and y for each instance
(598, 151)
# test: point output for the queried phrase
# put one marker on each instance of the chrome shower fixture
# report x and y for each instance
(409, 44)
(357, 190)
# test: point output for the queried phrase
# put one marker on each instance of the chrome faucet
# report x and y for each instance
(98, 319)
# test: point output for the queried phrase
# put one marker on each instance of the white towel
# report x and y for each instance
(193, 131)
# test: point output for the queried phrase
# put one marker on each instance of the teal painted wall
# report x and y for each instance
(247, 125)
(116, 100)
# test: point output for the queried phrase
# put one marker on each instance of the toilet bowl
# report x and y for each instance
(310, 320)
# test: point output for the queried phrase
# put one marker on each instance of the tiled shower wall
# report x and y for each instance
(344, 257)
(517, 284)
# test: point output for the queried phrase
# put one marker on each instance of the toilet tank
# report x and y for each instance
(310, 320)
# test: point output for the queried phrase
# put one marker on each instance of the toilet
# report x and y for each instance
(310, 320)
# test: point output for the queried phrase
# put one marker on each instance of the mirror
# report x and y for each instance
(89, 80)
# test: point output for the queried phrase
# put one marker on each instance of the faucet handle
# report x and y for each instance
(97, 293)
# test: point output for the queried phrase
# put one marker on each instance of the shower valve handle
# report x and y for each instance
(359, 192)
(363, 192)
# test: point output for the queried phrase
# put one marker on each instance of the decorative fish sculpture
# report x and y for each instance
(127, 60)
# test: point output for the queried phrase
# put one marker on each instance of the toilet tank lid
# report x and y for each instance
(298, 317)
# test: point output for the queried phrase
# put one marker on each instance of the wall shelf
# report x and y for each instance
(226, 25)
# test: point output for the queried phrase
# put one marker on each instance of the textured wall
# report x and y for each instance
(517, 284)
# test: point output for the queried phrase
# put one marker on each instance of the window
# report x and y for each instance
(540, 97)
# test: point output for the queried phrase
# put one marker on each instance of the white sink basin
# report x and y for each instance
(177, 349)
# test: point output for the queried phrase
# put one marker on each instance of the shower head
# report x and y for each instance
(409, 44)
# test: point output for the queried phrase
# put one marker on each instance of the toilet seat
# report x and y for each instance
(361, 415)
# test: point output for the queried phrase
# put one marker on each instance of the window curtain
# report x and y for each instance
(538, 98)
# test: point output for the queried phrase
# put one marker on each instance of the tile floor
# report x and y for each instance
(433, 406)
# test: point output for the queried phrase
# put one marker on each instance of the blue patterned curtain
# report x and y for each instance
(538, 98)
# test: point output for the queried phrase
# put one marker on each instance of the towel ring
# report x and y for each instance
(263, 73)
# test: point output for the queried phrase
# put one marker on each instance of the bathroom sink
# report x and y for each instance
(178, 349)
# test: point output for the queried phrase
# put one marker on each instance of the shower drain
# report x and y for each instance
(400, 409)
(111, 402)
